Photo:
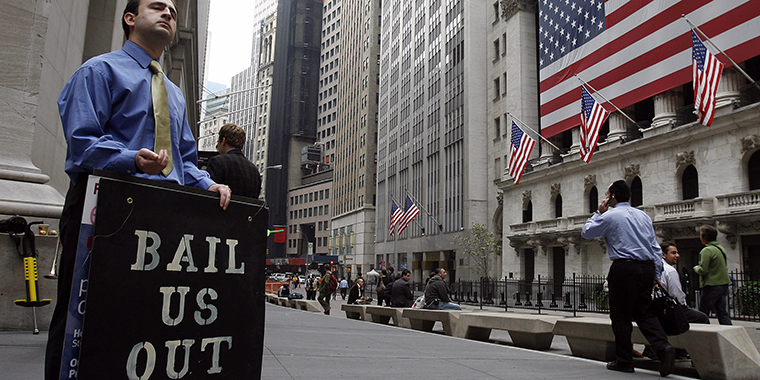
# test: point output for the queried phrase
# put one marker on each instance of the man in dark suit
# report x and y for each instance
(231, 167)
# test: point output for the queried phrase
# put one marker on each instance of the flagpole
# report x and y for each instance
(532, 130)
(749, 78)
(605, 99)
(419, 206)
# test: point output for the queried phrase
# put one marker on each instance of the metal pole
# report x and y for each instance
(707, 39)
(605, 99)
(532, 130)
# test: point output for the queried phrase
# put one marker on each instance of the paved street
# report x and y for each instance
(307, 345)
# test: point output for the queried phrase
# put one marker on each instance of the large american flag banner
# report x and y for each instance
(593, 116)
(411, 212)
(630, 50)
(396, 215)
(521, 147)
(706, 73)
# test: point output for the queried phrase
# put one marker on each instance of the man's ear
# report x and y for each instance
(129, 19)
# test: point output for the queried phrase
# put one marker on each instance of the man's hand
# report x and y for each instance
(658, 285)
(224, 194)
(604, 205)
(151, 163)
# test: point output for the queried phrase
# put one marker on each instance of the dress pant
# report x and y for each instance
(71, 219)
(630, 285)
(715, 297)
(695, 316)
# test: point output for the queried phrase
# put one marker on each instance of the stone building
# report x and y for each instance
(682, 173)
(433, 131)
(44, 42)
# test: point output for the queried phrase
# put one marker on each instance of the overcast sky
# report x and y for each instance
(230, 33)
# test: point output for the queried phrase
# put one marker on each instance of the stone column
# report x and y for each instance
(547, 151)
(23, 186)
(618, 125)
(728, 89)
(576, 147)
(665, 106)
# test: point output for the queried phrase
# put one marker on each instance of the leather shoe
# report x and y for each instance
(667, 358)
(615, 366)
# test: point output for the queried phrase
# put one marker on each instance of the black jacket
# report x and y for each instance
(235, 171)
(401, 294)
(436, 289)
(355, 293)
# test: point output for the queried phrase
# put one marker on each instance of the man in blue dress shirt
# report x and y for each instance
(636, 268)
(108, 121)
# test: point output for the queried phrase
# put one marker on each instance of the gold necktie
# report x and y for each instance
(161, 113)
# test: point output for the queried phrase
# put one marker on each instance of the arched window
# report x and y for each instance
(528, 212)
(753, 170)
(690, 183)
(593, 200)
(637, 196)
(558, 206)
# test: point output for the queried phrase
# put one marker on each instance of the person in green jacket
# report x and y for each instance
(713, 276)
(324, 290)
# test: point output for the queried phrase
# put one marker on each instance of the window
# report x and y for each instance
(327, 193)
(753, 170)
(497, 126)
(690, 183)
(558, 206)
(327, 209)
(593, 200)
(637, 196)
(528, 212)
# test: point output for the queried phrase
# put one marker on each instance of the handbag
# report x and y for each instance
(381, 287)
(669, 312)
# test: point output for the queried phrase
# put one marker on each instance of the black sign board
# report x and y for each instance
(176, 285)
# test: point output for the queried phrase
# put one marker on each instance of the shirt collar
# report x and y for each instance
(138, 54)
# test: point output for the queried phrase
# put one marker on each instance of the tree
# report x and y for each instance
(481, 247)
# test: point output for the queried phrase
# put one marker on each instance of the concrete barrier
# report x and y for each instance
(717, 352)
(424, 319)
(528, 331)
(380, 314)
(355, 311)
(308, 305)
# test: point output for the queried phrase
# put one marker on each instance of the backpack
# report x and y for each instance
(333, 283)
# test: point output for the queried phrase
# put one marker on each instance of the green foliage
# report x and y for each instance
(601, 298)
(481, 247)
(748, 298)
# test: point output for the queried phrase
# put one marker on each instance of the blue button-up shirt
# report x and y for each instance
(628, 233)
(107, 113)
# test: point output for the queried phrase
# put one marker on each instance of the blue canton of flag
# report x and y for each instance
(564, 25)
(522, 146)
(706, 76)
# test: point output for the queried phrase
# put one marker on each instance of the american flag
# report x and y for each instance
(593, 116)
(411, 212)
(522, 146)
(396, 215)
(707, 70)
(630, 50)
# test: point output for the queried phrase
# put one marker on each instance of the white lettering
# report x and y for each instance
(184, 246)
(172, 346)
(231, 269)
(212, 242)
(150, 363)
(142, 248)
(215, 367)
(167, 292)
(202, 304)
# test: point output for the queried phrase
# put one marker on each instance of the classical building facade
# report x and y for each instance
(682, 173)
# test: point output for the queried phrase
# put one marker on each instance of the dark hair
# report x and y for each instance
(132, 7)
(234, 135)
(384, 272)
(708, 232)
(620, 190)
(405, 272)
(666, 245)
(437, 271)
(390, 269)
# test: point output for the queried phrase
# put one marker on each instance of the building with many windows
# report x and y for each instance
(432, 131)
(357, 83)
